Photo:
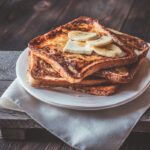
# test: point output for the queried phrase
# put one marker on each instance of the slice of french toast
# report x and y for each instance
(120, 74)
(127, 73)
(139, 46)
(41, 74)
(75, 67)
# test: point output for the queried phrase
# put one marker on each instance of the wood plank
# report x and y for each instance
(13, 134)
(136, 141)
(138, 22)
(24, 19)
(52, 144)
(111, 13)
(14, 119)
(7, 64)
(17, 120)
(3, 86)
(12, 115)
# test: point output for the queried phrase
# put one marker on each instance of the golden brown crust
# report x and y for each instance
(41, 74)
(49, 47)
(56, 82)
(111, 74)
(97, 90)
(132, 42)
(119, 76)
(124, 77)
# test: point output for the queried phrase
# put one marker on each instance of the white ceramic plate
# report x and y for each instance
(66, 98)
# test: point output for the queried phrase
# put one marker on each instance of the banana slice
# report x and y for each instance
(137, 52)
(101, 41)
(81, 36)
(77, 47)
(109, 51)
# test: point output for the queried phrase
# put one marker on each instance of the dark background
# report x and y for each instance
(21, 20)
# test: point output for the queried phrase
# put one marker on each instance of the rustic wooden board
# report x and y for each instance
(3, 86)
(138, 22)
(138, 141)
(7, 64)
(14, 119)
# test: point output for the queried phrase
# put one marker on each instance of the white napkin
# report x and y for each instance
(90, 130)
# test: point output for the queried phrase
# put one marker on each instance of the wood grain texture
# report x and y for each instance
(138, 22)
(3, 86)
(7, 64)
(14, 119)
(111, 13)
(24, 19)
(136, 141)
(32, 145)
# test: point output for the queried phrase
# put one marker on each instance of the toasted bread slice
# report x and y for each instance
(103, 90)
(120, 74)
(117, 74)
(126, 74)
(75, 67)
(139, 46)
(41, 74)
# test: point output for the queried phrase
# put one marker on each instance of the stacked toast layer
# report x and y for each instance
(50, 66)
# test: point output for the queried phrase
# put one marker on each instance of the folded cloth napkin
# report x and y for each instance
(84, 130)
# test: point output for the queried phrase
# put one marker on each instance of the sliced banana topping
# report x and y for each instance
(77, 47)
(137, 52)
(86, 42)
(101, 41)
(81, 36)
(109, 51)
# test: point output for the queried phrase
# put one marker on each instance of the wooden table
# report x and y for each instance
(21, 20)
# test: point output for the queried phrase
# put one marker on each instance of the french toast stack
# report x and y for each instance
(84, 56)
